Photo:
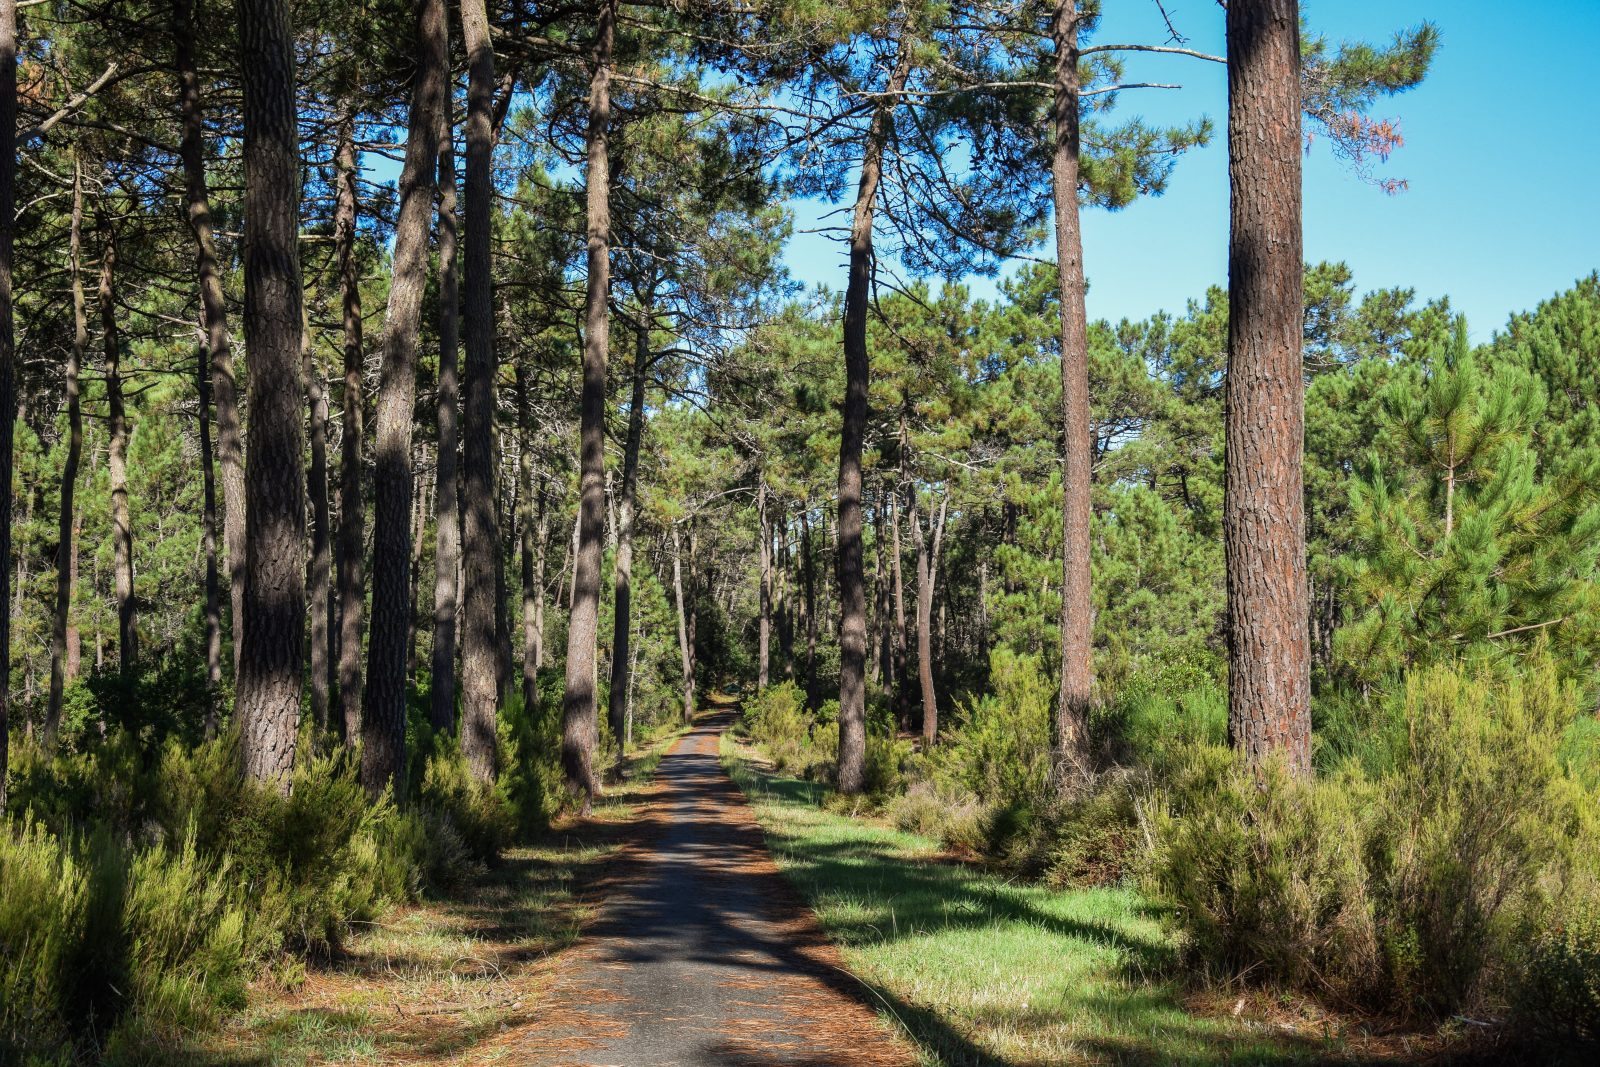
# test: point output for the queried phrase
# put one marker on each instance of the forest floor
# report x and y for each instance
(450, 980)
(979, 970)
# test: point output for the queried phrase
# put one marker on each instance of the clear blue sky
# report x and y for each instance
(1502, 153)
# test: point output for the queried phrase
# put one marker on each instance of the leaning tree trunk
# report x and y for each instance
(383, 725)
(67, 546)
(1069, 736)
(578, 705)
(447, 508)
(121, 513)
(852, 580)
(622, 567)
(8, 348)
(1269, 676)
(216, 374)
(351, 577)
(480, 666)
(271, 661)
(317, 576)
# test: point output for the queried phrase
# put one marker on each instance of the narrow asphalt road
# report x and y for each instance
(701, 953)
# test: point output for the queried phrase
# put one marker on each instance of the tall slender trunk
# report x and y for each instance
(271, 661)
(532, 538)
(352, 507)
(8, 344)
(578, 707)
(217, 377)
(383, 726)
(67, 545)
(506, 524)
(421, 506)
(622, 577)
(208, 538)
(1269, 674)
(764, 553)
(813, 695)
(121, 513)
(1069, 728)
(902, 646)
(928, 543)
(447, 539)
(317, 578)
(541, 550)
(480, 668)
(685, 641)
(852, 582)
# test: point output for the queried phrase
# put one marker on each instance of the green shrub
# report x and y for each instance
(1096, 835)
(944, 810)
(776, 719)
(42, 914)
(1558, 993)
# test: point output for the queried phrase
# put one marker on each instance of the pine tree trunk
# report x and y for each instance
(480, 668)
(318, 577)
(121, 513)
(764, 551)
(902, 651)
(447, 540)
(1269, 683)
(383, 725)
(578, 707)
(8, 345)
(852, 581)
(352, 507)
(533, 532)
(925, 579)
(216, 372)
(208, 538)
(1069, 736)
(813, 695)
(541, 552)
(685, 641)
(622, 580)
(67, 546)
(271, 660)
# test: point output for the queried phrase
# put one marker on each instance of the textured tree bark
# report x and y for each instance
(532, 554)
(8, 347)
(901, 682)
(480, 667)
(1069, 736)
(578, 706)
(216, 373)
(685, 641)
(622, 577)
(447, 550)
(927, 551)
(764, 551)
(541, 554)
(383, 726)
(121, 513)
(208, 538)
(317, 578)
(352, 507)
(852, 581)
(271, 661)
(813, 695)
(67, 545)
(1269, 676)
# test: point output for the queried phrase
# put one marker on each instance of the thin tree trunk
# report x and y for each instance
(8, 344)
(622, 577)
(1069, 734)
(67, 546)
(578, 708)
(505, 522)
(383, 726)
(1269, 676)
(208, 537)
(813, 695)
(421, 507)
(352, 507)
(271, 661)
(925, 579)
(121, 513)
(902, 650)
(685, 642)
(480, 668)
(447, 541)
(533, 532)
(318, 586)
(764, 551)
(216, 377)
(852, 582)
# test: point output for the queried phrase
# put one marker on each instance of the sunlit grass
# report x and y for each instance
(979, 970)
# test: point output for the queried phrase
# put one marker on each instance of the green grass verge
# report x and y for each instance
(981, 971)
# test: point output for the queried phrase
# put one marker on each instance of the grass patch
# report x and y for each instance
(982, 971)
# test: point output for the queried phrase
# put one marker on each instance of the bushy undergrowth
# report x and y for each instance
(143, 890)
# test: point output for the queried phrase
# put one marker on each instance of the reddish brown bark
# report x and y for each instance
(447, 507)
(351, 577)
(1269, 677)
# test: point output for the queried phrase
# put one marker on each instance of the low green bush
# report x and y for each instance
(1557, 997)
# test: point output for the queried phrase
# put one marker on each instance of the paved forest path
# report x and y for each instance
(701, 953)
